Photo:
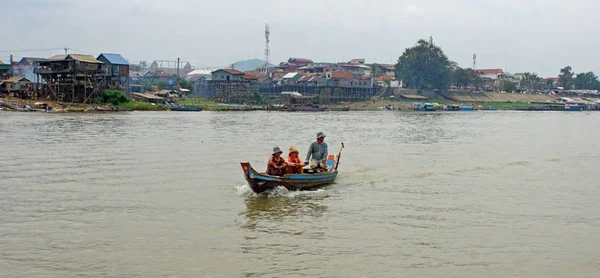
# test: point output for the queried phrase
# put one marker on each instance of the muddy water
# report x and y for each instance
(482, 194)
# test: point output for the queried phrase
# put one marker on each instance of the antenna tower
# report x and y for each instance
(267, 40)
(474, 61)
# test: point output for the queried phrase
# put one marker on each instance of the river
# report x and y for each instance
(161, 194)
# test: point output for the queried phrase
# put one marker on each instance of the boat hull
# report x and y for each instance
(260, 182)
(194, 109)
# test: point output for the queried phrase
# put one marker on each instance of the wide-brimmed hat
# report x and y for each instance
(293, 150)
(320, 135)
(277, 150)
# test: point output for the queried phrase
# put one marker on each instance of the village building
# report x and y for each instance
(203, 73)
(17, 86)
(293, 64)
(183, 71)
(382, 69)
(492, 77)
(291, 77)
(159, 75)
(76, 78)
(227, 75)
(118, 71)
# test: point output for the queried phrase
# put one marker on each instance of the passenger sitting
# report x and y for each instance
(276, 165)
(294, 163)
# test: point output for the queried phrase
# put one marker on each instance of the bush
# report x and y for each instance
(113, 97)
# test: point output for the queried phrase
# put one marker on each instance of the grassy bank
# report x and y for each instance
(207, 104)
(143, 106)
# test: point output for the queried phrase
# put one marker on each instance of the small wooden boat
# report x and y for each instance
(181, 108)
(261, 182)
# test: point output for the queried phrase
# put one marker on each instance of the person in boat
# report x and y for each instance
(317, 153)
(294, 163)
(276, 165)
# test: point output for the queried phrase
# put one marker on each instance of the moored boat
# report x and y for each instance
(181, 108)
(261, 182)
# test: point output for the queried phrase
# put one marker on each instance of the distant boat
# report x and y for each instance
(181, 108)
(175, 107)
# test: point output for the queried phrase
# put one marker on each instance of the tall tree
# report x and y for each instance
(425, 66)
(509, 86)
(586, 81)
(466, 77)
(565, 78)
(530, 80)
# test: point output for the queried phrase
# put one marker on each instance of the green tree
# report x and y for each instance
(466, 77)
(152, 85)
(185, 84)
(257, 98)
(565, 78)
(549, 84)
(148, 86)
(530, 81)
(509, 86)
(425, 66)
(113, 97)
(586, 81)
(162, 84)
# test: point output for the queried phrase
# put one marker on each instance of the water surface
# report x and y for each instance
(154, 194)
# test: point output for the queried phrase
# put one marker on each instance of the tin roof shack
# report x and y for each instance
(76, 78)
(17, 86)
(227, 75)
(150, 98)
(291, 78)
(291, 100)
(118, 71)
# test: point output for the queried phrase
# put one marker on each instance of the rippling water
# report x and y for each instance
(481, 194)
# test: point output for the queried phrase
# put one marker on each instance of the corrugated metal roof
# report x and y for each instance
(58, 57)
(231, 71)
(30, 60)
(83, 58)
(17, 79)
(114, 59)
(290, 75)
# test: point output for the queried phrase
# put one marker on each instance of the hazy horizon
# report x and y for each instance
(536, 36)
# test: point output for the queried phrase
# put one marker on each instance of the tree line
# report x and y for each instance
(426, 66)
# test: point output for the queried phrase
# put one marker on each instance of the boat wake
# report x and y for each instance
(245, 191)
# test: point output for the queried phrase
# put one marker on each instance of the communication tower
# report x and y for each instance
(267, 40)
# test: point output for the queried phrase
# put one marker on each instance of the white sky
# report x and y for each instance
(515, 35)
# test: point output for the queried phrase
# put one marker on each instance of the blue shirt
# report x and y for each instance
(317, 151)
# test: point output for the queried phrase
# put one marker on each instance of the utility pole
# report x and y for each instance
(178, 76)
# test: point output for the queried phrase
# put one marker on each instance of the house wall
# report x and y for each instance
(225, 76)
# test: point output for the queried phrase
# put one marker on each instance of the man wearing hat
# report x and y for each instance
(294, 163)
(317, 153)
(276, 165)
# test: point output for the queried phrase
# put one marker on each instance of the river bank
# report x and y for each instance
(210, 105)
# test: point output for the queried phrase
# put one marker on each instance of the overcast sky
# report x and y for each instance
(516, 35)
